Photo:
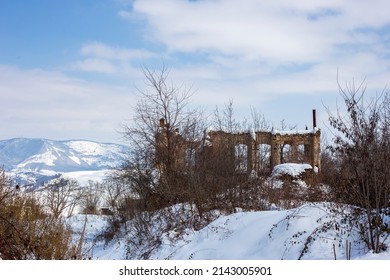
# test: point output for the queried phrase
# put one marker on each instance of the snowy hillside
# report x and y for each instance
(274, 235)
(23, 154)
(311, 231)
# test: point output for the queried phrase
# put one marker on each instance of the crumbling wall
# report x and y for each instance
(309, 139)
(224, 143)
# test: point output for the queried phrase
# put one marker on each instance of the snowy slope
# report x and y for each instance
(268, 235)
(313, 231)
(23, 154)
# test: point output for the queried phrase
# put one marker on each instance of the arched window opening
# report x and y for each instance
(301, 154)
(264, 158)
(190, 155)
(285, 153)
(241, 153)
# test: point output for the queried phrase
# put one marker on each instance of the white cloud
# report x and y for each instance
(102, 58)
(258, 53)
(249, 29)
(96, 65)
(276, 31)
(37, 103)
(281, 57)
(272, 47)
(101, 50)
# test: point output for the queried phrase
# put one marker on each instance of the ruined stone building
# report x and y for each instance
(246, 152)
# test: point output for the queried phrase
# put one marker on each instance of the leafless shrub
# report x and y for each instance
(115, 191)
(62, 196)
(27, 231)
(363, 149)
(91, 198)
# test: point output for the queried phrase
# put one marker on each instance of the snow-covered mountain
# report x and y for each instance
(35, 155)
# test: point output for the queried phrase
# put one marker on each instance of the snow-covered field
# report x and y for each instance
(263, 235)
(83, 177)
(267, 235)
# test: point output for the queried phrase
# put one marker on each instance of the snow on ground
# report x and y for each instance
(93, 246)
(271, 235)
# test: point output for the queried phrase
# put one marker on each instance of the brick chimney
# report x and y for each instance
(314, 118)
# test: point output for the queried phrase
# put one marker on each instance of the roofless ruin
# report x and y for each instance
(246, 152)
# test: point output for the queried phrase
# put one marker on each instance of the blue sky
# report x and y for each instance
(69, 69)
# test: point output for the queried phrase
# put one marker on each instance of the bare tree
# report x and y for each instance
(164, 129)
(28, 232)
(91, 198)
(62, 195)
(260, 123)
(363, 148)
(115, 191)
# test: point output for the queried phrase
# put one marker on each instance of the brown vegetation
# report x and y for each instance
(29, 232)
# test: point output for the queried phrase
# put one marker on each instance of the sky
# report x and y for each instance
(71, 69)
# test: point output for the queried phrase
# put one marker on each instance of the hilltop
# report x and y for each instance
(38, 160)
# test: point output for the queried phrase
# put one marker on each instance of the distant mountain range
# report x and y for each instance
(35, 155)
